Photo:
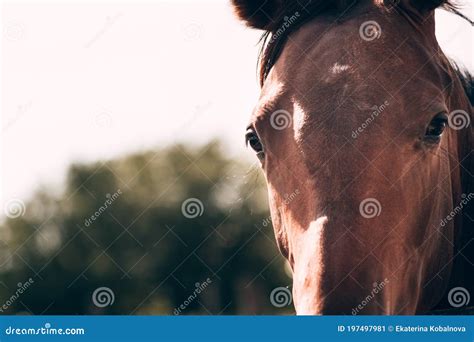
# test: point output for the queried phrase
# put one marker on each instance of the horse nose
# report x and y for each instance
(308, 268)
(328, 274)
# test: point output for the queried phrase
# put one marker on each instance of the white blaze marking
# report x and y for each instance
(299, 118)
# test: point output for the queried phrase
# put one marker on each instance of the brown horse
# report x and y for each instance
(363, 129)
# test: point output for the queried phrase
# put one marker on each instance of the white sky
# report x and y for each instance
(85, 82)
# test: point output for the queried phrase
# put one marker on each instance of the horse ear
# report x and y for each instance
(259, 14)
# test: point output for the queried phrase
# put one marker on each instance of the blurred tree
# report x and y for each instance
(179, 230)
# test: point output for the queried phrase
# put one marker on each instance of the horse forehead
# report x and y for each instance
(308, 65)
(322, 48)
(329, 71)
(322, 64)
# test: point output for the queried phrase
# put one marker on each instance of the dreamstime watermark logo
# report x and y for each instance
(370, 208)
(192, 208)
(287, 199)
(47, 329)
(370, 30)
(109, 21)
(376, 111)
(21, 288)
(14, 208)
(103, 120)
(103, 296)
(377, 287)
(287, 22)
(457, 209)
(280, 297)
(199, 288)
(458, 296)
(280, 119)
(13, 31)
(21, 111)
(458, 119)
(192, 31)
(111, 198)
(198, 111)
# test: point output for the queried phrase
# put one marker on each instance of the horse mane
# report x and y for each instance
(467, 81)
(293, 14)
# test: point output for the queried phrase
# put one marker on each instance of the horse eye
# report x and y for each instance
(436, 127)
(252, 140)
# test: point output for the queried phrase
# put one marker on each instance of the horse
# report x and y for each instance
(367, 124)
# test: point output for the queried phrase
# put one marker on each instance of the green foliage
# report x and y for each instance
(140, 245)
